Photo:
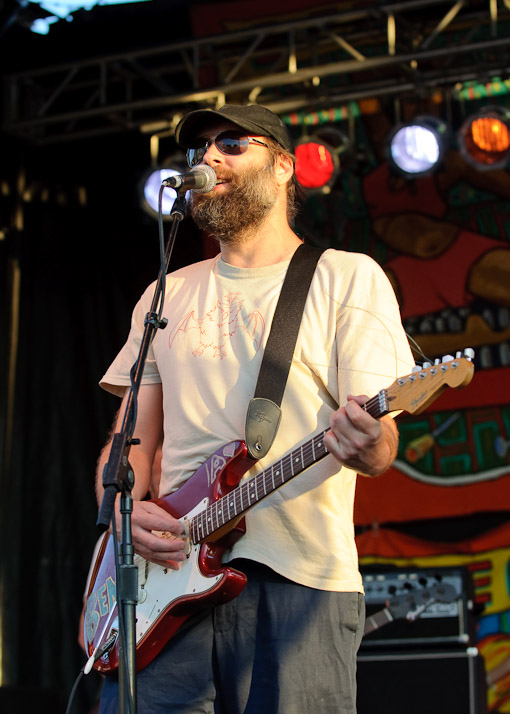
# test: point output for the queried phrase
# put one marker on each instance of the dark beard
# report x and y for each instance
(233, 215)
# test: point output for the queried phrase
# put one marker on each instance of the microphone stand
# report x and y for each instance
(118, 477)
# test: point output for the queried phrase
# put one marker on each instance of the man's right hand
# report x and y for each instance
(157, 536)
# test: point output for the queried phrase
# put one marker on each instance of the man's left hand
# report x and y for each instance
(357, 440)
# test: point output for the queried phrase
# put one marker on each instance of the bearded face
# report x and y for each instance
(232, 214)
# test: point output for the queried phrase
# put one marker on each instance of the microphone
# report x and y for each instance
(200, 179)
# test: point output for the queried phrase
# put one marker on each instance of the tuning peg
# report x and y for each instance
(448, 358)
(469, 353)
(426, 365)
(416, 368)
(437, 361)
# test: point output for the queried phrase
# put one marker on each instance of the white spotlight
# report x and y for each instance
(416, 148)
(149, 189)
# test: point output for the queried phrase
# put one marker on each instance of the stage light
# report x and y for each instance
(150, 186)
(318, 159)
(484, 138)
(315, 164)
(417, 148)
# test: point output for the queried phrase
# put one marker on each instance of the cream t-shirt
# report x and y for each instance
(351, 341)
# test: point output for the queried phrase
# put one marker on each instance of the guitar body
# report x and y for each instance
(167, 598)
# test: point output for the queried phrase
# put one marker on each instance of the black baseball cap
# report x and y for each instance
(253, 118)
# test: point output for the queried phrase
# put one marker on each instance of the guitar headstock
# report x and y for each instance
(417, 390)
(412, 604)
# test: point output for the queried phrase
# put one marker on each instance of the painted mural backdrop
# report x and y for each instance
(453, 286)
(443, 241)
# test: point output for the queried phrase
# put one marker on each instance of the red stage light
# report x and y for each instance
(316, 164)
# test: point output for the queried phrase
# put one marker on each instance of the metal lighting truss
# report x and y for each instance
(303, 65)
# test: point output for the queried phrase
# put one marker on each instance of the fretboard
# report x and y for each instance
(249, 493)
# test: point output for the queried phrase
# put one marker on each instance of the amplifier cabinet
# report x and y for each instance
(425, 607)
(443, 682)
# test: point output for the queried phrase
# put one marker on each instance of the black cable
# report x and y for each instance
(73, 691)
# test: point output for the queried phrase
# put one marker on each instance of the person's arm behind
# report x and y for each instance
(147, 517)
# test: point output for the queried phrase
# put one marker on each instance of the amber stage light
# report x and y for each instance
(484, 139)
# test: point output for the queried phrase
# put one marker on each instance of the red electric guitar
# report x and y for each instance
(211, 504)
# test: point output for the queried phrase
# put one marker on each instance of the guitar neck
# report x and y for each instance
(412, 393)
(378, 619)
(248, 494)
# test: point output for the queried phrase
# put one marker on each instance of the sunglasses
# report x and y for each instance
(229, 143)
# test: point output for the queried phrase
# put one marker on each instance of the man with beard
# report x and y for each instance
(287, 643)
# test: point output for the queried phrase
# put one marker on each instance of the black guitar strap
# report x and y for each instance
(264, 412)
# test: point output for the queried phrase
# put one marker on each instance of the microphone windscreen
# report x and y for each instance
(209, 178)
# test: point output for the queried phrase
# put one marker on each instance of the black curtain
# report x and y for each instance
(82, 268)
